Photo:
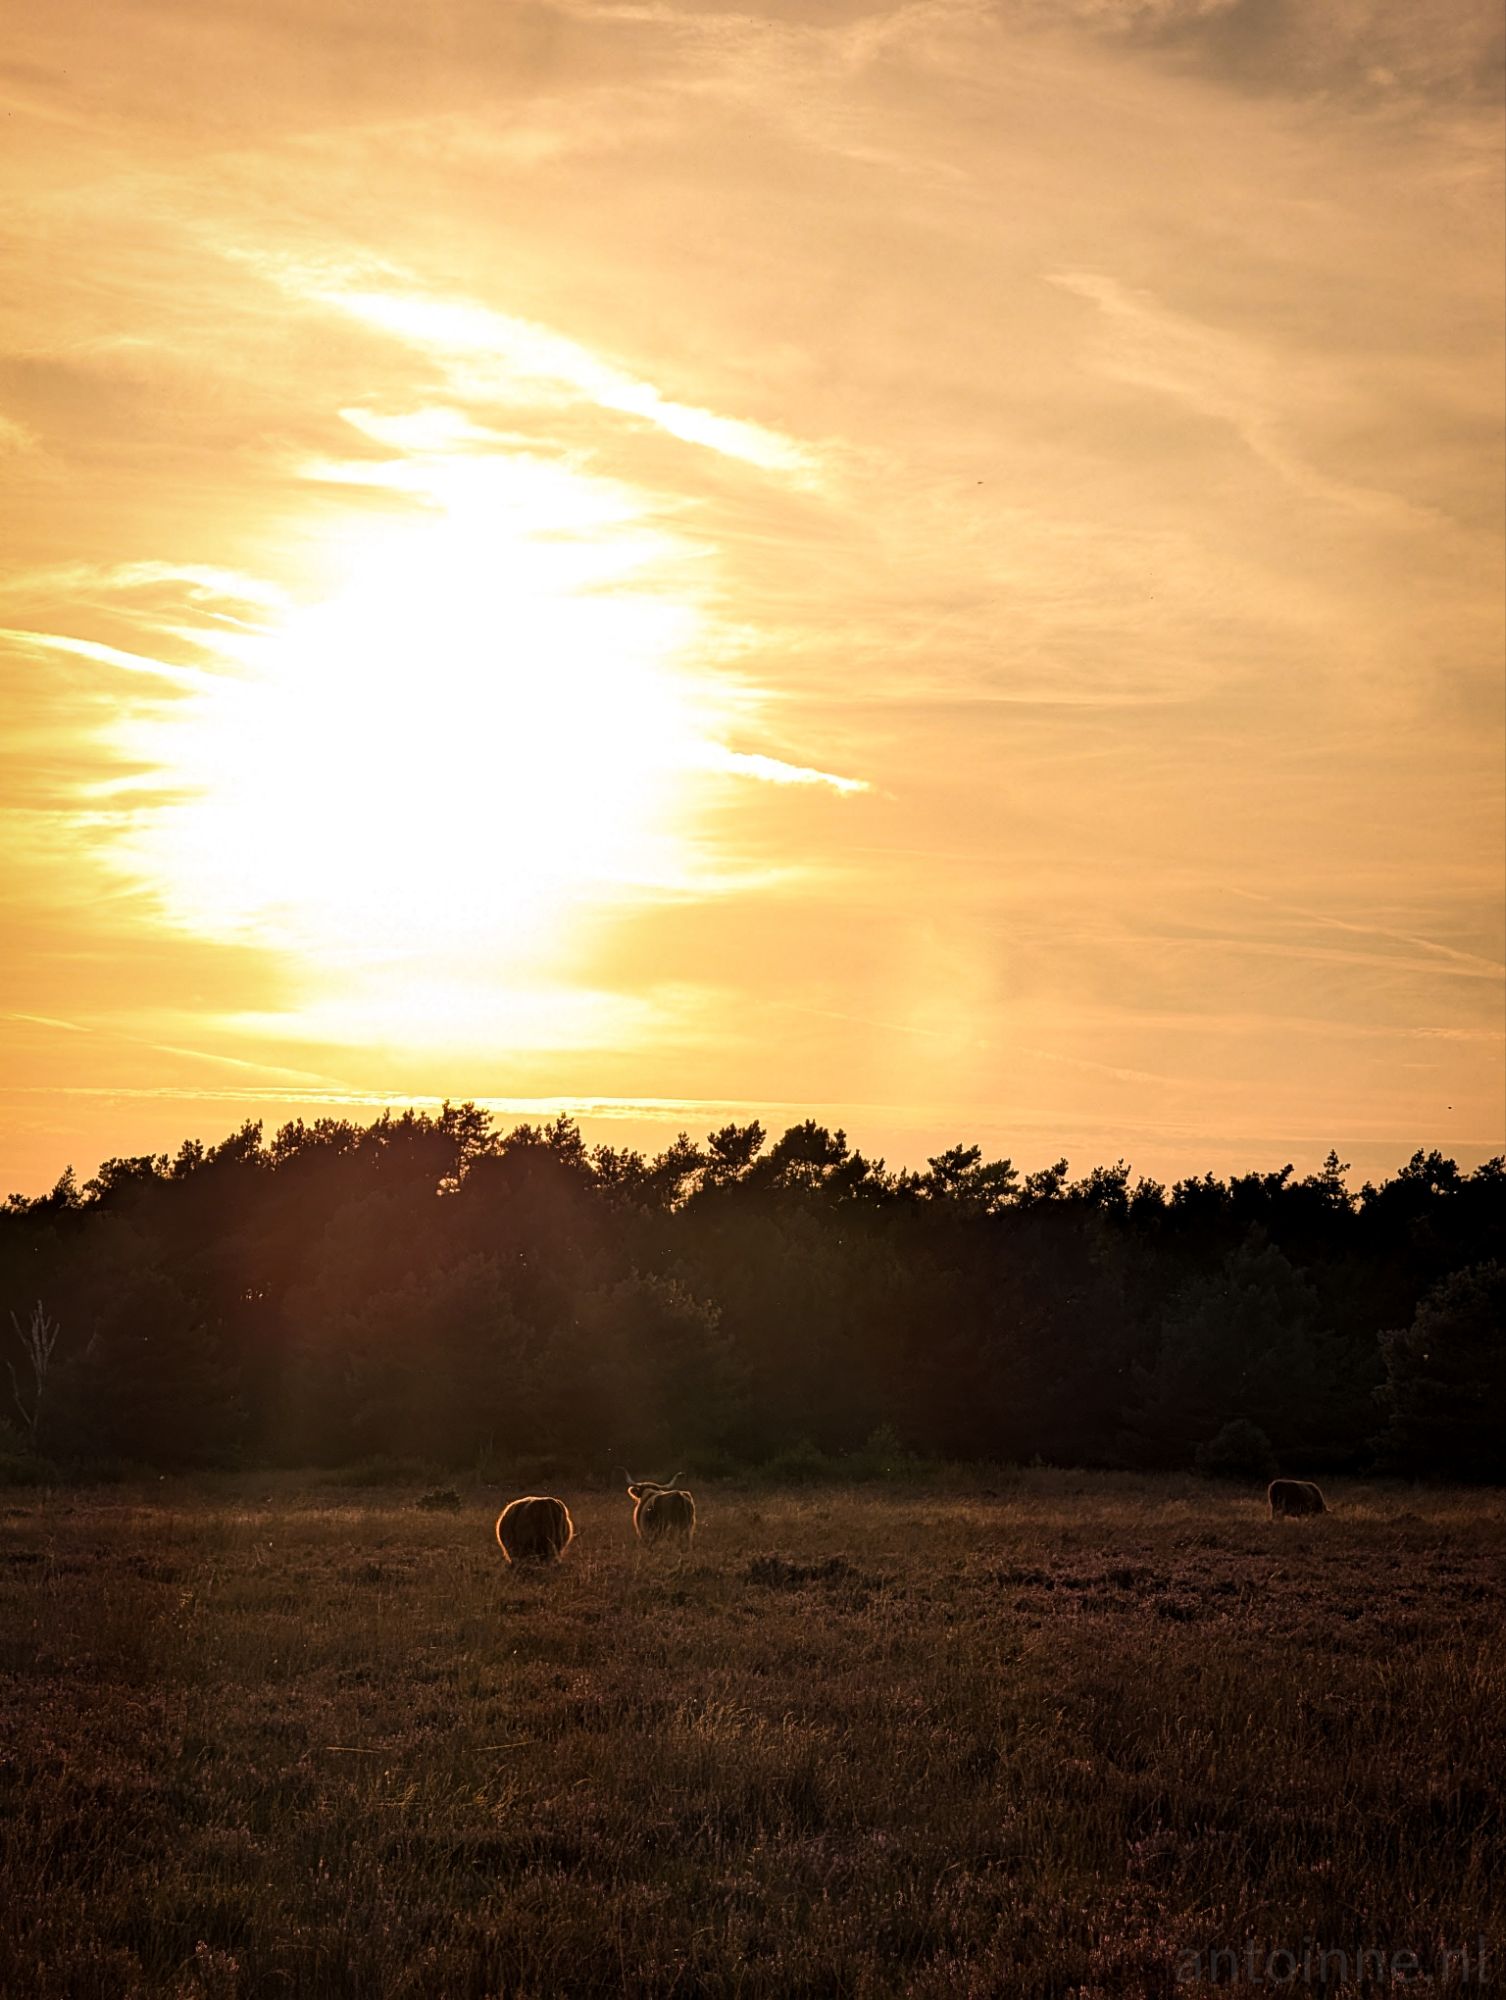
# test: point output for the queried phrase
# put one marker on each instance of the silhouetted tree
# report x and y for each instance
(151, 1385)
(1243, 1342)
(1445, 1387)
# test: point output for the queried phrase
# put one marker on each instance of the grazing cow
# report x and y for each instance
(534, 1529)
(1289, 1497)
(661, 1511)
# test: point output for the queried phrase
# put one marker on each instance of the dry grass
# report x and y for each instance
(1044, 1741)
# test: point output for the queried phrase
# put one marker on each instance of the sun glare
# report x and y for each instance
(477, 733)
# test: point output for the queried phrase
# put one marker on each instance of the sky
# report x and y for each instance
(932, 566)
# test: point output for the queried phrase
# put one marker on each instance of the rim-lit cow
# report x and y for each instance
(1289, 1498)
(536, 1528)
(662, 1510)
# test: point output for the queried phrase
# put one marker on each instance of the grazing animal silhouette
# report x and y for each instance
(662, 1510)
(536, 1528)
(1289, 1497)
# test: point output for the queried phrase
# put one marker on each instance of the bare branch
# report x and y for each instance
(38, 1338)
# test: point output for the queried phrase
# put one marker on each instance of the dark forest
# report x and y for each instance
(428, 1290)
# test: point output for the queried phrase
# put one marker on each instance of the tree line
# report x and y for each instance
(429, 1288)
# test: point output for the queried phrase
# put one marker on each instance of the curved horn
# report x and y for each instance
(676, 1480)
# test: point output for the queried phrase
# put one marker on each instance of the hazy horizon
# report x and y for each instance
(936, 567)
(881, 1133)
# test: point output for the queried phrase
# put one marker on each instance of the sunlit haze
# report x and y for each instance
(934, 566)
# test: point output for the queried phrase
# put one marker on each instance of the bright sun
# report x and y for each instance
(481, 729)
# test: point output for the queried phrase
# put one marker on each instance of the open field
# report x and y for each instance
(271, 1738)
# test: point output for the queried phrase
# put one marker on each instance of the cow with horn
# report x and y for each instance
(662, 1510)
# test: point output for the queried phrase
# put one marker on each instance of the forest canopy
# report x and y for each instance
(428, 1288)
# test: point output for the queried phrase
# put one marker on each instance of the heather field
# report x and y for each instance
(1056, 1735)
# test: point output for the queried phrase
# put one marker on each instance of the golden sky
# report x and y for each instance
(936, 566)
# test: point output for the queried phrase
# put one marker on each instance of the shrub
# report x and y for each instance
(379, 1470)
(800, 1464)
(20, 1468)
(882, 1455)
(1240, 1450)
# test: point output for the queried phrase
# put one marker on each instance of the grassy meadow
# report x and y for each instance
(1067, 1734)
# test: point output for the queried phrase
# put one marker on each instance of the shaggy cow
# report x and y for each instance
(1289, 1497)
(661, 1512)
(534, 1529)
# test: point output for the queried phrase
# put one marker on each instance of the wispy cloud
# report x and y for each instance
(1223, 376)
(515, 357)
(1377, 51)
(190, 678)
(769, 770)
(1470, 961)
